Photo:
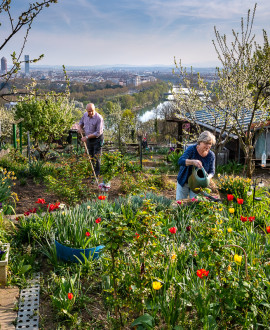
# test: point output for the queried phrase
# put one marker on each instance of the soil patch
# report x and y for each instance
(31, 191)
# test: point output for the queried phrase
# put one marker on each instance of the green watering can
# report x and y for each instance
(198, 179)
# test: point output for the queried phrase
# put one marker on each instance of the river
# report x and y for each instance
(153, 111)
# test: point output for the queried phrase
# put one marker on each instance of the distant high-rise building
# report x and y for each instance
(26, 64)
(3, 65)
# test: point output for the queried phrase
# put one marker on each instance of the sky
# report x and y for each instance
(131, 32)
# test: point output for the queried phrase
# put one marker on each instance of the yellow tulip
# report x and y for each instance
(229, 268)
(156, 285)
(88, 207)
(231, 210)
(230, 230)
(237, 259)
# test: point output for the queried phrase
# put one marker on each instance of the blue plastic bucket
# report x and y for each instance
(67, 253)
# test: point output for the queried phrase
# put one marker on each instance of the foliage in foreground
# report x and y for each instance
(200, 265)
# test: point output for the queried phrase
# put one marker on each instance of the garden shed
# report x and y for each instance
(212, 121)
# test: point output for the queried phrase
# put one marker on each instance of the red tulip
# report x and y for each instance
(251, 219)
(101, 197)
(137, 235)
(26, 213)
(40, 201)
(268, 229)
(70, 296)
(240, 201)
(98, 220)
(230, 197)
(243, 219)
(188, 228)
(202, 273)
(50, 207)
(179, 202)
(173, 230)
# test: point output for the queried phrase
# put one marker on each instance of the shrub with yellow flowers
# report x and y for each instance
(235, 185)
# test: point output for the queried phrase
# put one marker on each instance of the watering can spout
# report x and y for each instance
(198, 179)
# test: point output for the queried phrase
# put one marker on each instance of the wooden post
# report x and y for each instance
(14, 136)
(140, 148)
(28, 147)
(179, 135)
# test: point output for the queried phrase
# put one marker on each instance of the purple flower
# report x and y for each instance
(1, 204)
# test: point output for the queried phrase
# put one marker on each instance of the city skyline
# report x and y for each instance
(138, 33)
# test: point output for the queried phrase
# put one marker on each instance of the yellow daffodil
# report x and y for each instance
(156, 285)
(231, 210)
(237, 259)
(229, 230)
(173, 256)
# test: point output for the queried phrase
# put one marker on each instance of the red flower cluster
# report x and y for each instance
(52, 207)
(41, 201)
(268, 229)
(230, 197)
(137, 235)
(202, 273)
(102, 198)
(250, 219)
(98, 220)
(243, 219)
(34, 210)
(240, 201)
(173, 230)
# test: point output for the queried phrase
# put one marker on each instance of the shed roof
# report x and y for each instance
(214, 120)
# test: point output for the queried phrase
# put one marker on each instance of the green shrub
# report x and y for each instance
(232, 167)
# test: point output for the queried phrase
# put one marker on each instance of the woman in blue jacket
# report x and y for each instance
(198, 155)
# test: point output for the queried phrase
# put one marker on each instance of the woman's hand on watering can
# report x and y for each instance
(197, 163)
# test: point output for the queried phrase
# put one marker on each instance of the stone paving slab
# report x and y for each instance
(8, 298)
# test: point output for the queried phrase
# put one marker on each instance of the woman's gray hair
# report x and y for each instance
(207, 137)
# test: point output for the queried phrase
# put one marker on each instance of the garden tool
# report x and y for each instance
(205, 194)
(85, 146)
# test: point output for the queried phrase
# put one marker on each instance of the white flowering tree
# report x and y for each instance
(6, 120)
(240, 91)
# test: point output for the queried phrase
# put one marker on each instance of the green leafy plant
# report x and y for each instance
(232, 167)
(173, 157)
(78, 228)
